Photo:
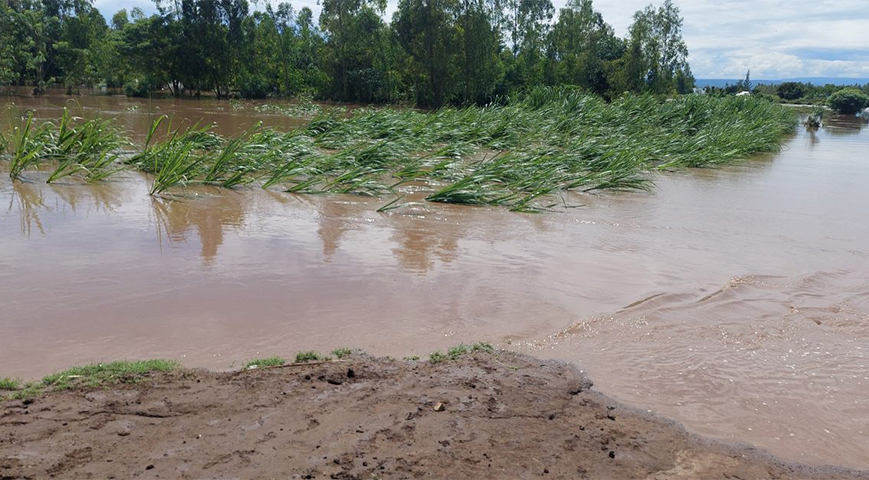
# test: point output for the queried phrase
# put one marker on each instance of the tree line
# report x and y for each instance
(430, 53)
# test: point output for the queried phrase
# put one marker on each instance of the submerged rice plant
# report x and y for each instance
(522, 153)
(87, 147)
(28, 144)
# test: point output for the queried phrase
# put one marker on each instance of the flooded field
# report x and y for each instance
(734, 300)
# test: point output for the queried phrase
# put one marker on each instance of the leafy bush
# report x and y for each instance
(254, 87)
(139, 88)
(848, 101)
(791, 90)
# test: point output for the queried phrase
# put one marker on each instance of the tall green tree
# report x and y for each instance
(478, 23)
(426, 32)
(657, 51)
(583, 43)
(353, 29)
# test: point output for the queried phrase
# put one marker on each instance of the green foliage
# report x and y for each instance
(265, 362)
(848, 101)
(791, 90)
(309, 356)
(433, 53)
(139, 87)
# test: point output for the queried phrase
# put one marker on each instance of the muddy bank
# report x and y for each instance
(497, 415)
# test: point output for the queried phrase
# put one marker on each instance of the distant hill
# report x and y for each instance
(722, 82)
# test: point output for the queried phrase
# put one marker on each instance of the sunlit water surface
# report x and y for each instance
(734, 300)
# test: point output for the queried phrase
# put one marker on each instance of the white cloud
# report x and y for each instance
(728, 37)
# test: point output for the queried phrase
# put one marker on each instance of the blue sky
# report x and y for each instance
(774, 38)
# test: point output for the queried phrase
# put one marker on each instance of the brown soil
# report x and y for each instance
(485, 416)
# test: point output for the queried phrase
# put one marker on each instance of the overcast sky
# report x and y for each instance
(774, 38)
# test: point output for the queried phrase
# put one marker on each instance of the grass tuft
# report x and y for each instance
(100, 375)
(310, 356)
(10, 384)
(458, 351)
(437, 357)
(342, 352)
(265, 362)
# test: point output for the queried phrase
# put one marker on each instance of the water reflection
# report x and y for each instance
(208, 217)
(334, 219)
(28, 199)
(102, 197)
(417, 244)
(136, 115)
(844, 125)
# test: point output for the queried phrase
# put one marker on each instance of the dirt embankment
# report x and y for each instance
(485, 416)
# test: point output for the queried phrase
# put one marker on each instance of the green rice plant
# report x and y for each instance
(177, 166)
(523, 152)
(83, 147)
(309, 356)
(28, 144)
(265, 362)
(226, 168)
(101, 167)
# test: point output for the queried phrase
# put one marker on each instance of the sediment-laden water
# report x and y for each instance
(734, 300)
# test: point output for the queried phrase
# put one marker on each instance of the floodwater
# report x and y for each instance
(734, 300)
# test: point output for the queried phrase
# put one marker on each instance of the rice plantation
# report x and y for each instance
(520, 153)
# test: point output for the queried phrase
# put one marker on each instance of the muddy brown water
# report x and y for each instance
(734, 300)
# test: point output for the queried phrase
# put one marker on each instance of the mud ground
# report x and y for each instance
(484, 416)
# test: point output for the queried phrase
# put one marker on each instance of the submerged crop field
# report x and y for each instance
(519, 154)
